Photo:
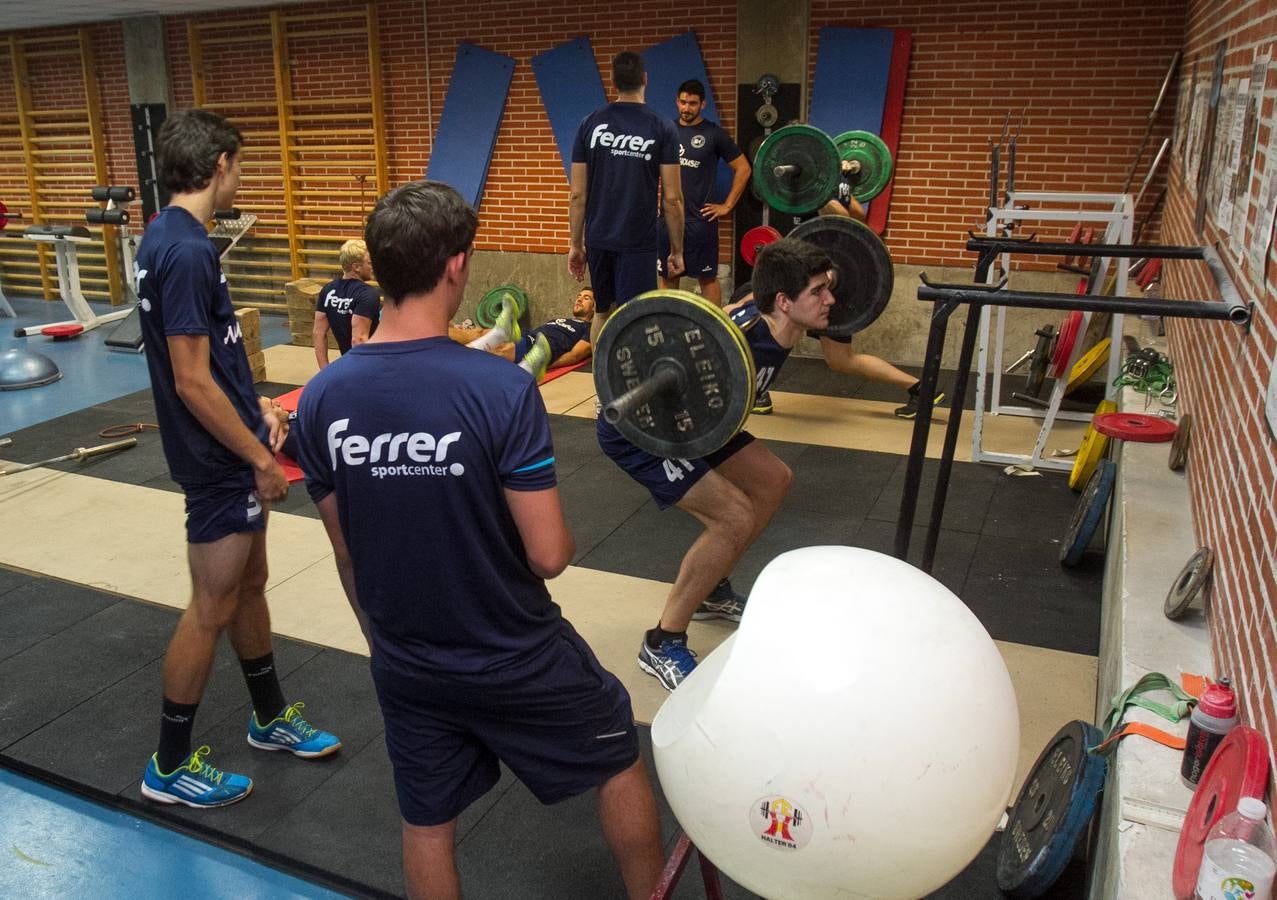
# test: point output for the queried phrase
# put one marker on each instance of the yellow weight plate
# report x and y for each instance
(1092, 449)
(1088, 365)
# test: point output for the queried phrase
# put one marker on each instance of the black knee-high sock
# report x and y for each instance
(176, 722)
(263, 686)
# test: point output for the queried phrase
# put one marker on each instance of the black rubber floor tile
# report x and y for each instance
(804, 375)
(105, 741)
(1031, 507)
(350, 828)
(77, 663)
(839, 481)
(575, 444)
(954, 550)
(598, 498)
(650, 543)
(1021, 593)
(11, 579)
(967, 501)
(33, 609)
(978, 881)
(790, 529)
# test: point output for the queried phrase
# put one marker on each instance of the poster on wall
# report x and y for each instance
(1183, 116)
(1196, 134)
(1262, 236)
(1227, 187)
(1258, 95)
(1208, 136)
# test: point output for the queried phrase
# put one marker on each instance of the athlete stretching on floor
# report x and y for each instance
(444, 517)
(734, 491)
(219, 441)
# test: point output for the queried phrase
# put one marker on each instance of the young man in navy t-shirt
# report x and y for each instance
(735, 490)
(433, 471)
(621, 153)
(219, 440)
(347, 305)
(702, 144)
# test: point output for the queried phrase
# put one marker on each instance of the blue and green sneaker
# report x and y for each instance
(195, 783)
(290, 731)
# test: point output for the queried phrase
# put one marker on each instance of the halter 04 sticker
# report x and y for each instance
(780, 822)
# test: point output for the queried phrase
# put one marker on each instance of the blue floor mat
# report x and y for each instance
(91, 373)
(58, 845)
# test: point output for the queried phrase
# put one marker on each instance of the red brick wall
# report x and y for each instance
(1085, 72)
(1223, 373)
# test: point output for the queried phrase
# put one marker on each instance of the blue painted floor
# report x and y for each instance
(91, 374)
(54, 844)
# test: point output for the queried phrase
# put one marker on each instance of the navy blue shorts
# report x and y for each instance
(620, 275)
(561, 723)
(700, 248)
(213, 513)
(522, 346)
(667, 480)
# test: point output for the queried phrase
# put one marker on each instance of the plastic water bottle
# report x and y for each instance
(1240, 856)
(1213, 717)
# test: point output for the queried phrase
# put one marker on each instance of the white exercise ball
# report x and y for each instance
(856, 737)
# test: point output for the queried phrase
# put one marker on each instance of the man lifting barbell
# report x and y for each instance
(710, 365)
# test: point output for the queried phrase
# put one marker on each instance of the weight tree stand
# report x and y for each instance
(948, 297)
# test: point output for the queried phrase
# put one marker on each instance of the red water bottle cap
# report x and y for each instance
(1218, 701)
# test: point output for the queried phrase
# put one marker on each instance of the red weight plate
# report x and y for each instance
(4, 216)
(756, 239)
(1064, 343)
(61, 332)
(1135, 427)
(1238, 769)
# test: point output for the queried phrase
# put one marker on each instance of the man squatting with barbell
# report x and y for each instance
(735, 490)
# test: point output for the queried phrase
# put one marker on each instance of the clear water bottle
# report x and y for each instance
(1240, 856)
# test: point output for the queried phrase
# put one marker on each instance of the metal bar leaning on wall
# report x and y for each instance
(948, 297)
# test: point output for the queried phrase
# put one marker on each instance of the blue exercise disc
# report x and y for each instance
(20, 369)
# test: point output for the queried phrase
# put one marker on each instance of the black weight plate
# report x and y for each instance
(1057, 801)
(1088, 512)
(1190, 583)
(1179, 443)
(816, 175)
(718, 386)
(863, 271)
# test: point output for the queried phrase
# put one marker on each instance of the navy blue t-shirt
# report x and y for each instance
(342, 298)
(700, 148)
(181, 290)
(769, 356)
(625, 145)
(562, 335)
(419, 440)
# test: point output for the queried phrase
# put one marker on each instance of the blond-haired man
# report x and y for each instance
(347, 305)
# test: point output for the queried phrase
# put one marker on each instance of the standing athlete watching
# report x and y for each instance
(347, 304)
(702, 144)
(445, 519)
(219, 440)
(621, 153)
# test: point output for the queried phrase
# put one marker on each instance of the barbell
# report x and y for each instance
(799, 169)
(675, 376)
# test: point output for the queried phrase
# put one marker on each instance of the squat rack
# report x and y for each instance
(948, 297)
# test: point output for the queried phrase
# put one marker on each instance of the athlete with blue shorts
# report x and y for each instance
(444, 516)
(702, 144)
(621, 154)
(219, 440)
(734, 491)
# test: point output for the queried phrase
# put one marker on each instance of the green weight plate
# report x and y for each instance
(490, 306)
(717, 384)
(871, 160)
(797, 169)
(863, 274)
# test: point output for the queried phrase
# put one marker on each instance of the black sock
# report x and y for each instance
(913, 391)
(658, 634)
(263, 687)
(176, 722)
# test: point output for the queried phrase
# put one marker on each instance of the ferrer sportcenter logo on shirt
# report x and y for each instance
(621, 144)
(390, 455)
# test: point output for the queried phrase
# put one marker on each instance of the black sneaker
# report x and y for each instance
(910, 409)
(722, 603)
(763, 404)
